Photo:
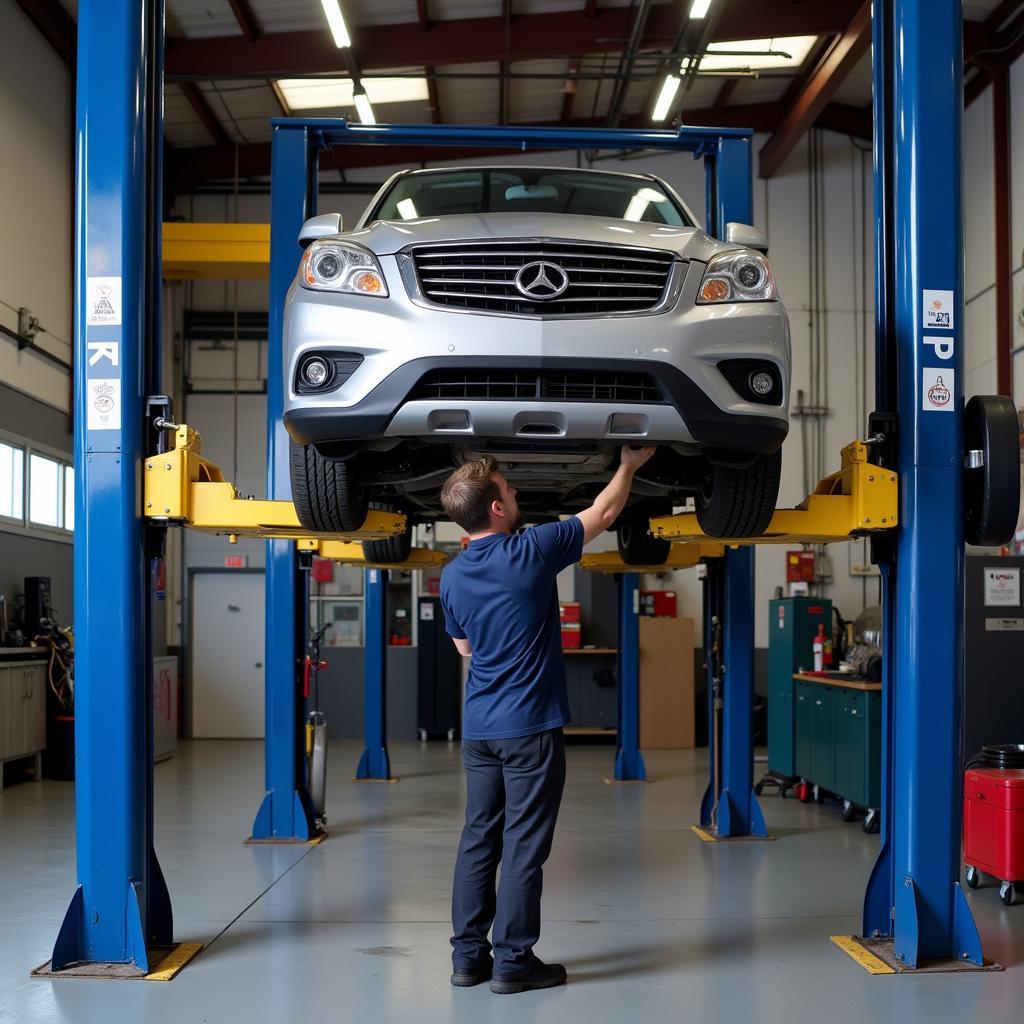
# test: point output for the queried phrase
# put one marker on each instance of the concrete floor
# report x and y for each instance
(651, 923)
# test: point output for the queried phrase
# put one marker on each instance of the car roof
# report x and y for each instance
(415, 171)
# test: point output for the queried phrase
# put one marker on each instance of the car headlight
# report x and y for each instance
(738, 277)
(333, 266)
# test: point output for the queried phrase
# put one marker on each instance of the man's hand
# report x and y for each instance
(611, 501)
(634, 458)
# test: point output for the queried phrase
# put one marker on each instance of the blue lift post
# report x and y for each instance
(286, 812)
(121, 904)
(629, 762)
(737, 813)
(914, 896)
(374, 762)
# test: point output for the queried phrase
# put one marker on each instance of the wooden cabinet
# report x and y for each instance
(22, 709)
(667, 713)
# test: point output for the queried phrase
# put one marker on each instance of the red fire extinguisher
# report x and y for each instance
(819, 648)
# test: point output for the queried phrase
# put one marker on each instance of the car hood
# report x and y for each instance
(388, 237)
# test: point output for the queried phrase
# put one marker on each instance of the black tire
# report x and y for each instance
(992, 492)
(636, 545)
(849, 812)
(872, 824)
(1008, 893)
(391, 550)
(972, 876)
(327, 495)
(740, 502)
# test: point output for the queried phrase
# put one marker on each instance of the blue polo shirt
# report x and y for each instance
(500, 593)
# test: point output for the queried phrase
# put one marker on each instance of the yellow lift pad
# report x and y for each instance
(679, 557)
(216, 252)
(347, 553)
(861, 498)
(182, 487)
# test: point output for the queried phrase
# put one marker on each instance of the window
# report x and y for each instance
(44, 487)
(12, 481)
(69, 498)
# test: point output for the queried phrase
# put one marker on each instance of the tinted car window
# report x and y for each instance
(502, 190)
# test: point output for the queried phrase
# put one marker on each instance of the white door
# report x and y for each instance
(227, 655)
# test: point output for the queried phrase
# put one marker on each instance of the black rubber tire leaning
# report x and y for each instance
(740, 502)
(327, 495)
(992, 491)
(636, 545)
(391, 550)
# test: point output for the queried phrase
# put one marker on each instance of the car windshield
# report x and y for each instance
(529, 190)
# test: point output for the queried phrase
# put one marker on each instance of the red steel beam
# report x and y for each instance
(481, 40)
(246, 20)
(422, 15)
(55, 25)
(1004, 254)
(202, 109)
(819, 89)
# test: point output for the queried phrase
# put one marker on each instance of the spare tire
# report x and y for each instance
(992, 491)
(327, 494)
(735, 502)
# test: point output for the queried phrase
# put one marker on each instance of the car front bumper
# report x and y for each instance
(400, 341)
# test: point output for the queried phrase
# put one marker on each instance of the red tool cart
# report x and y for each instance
(994, 828)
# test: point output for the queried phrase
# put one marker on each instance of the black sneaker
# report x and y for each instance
(467, 977)
(540, 975)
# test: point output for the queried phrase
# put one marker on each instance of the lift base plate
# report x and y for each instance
(876, 956)
(168, 961)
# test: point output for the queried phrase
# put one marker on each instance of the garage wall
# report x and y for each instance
(35, 204)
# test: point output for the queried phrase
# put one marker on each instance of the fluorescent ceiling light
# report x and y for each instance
(407, 209)
(638, 204)
(337, 23)
(697, 9)
(757, 53)
(364, 109)
(325, 93)
(665, 98)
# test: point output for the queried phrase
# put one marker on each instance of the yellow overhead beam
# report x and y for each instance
(679, 557)
(861, 498)
(352, 554)
(183, 488)
(217, 252)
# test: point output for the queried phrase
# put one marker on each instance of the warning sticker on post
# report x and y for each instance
(938, 308)
(103, 301)
(103, 403)
(937, 389)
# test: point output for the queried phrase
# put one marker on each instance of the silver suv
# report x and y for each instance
(546, 316)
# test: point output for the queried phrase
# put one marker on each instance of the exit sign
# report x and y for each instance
(236, 561)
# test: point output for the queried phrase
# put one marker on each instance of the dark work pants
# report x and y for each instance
(513, 790)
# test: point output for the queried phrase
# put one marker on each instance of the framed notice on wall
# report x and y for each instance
(1002, 587)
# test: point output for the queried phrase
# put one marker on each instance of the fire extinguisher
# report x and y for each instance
(819, 648)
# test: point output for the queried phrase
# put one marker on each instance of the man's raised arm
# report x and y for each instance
(612, 500)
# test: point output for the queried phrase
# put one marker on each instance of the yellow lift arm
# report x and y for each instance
(183, 488)
(217, 252)
(860, 499)
(348, 553)
(679, 557)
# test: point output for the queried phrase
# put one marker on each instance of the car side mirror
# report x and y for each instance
(319, 227)
(745, 235)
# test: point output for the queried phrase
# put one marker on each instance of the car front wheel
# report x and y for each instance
(636, 545)
(327, 494)
(736, 502)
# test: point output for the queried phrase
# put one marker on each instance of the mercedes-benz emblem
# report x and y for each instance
(541, 281)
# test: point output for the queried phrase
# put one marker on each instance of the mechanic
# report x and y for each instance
(500, 604)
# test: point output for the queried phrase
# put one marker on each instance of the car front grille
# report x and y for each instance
(602, 279)
(543, 385)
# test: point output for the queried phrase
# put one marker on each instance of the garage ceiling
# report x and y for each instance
(514, 61)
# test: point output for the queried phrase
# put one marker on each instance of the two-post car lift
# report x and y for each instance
(121, 908)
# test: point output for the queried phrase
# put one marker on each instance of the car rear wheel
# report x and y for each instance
(327, 494)
(391, 550)
(636, 545)
(739, 502)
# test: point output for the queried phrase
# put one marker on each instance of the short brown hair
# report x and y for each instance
(467, 494)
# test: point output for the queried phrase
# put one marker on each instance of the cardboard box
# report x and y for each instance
(667, 714)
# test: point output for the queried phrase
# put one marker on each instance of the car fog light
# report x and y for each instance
(314, 372)
(761, 383)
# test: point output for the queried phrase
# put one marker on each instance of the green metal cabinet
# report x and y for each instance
(792, 627)
(838, 740)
